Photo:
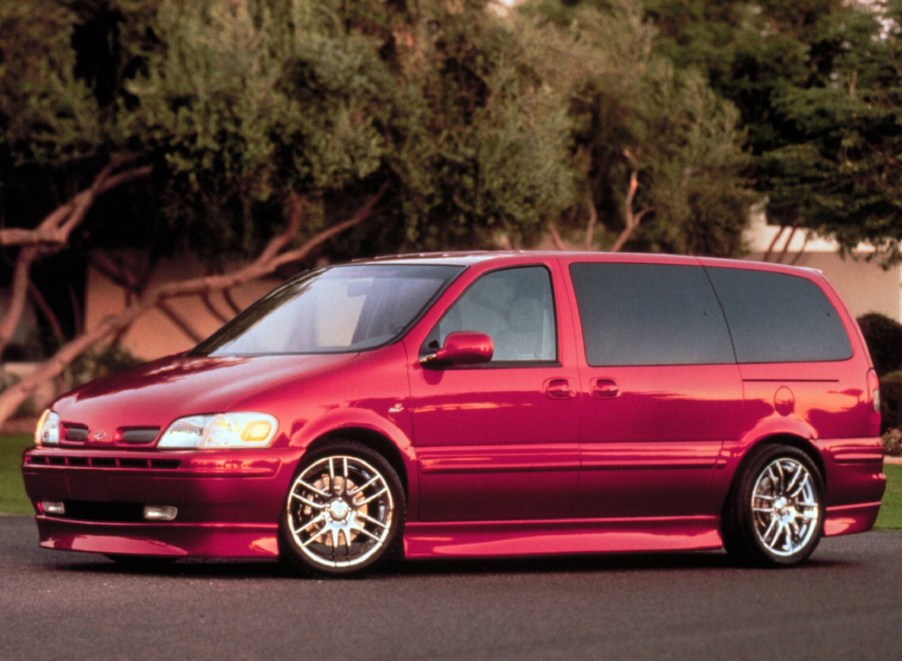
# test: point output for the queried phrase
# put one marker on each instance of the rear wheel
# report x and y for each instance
(344, 511)
(775, 512)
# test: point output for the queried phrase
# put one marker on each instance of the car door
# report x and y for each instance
(662, 391)
(499, 441)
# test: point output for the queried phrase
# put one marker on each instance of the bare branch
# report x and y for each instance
(556, 237)
(773, 244)
(56, 226)
(179, 321)
(41, 303)
(590, 226)
(631, 218)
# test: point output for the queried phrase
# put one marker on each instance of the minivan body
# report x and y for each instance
(479, 405)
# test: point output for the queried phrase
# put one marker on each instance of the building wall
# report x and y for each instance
(154, 334)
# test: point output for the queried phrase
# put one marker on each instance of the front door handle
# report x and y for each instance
(559, 388)
(605, 389)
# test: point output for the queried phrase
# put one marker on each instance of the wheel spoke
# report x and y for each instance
(308, 502)
(364, 531)
(298, 531)
(795, 478)
(801, 487)
(370, 482)
(310, 487)
(780, 473)
(373, 497)
(360, 515)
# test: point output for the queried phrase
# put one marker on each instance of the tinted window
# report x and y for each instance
(775, 317)
(514, 307)
(346, 308)
(649, 314)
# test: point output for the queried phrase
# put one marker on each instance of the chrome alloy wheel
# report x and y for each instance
(340, 511)
(785, 507)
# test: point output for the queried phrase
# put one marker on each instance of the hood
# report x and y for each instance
(155, 394)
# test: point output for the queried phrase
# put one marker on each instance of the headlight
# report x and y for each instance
(223, 430)
(48, 430)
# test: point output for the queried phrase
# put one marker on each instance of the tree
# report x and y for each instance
(661, 162)
(818, 87)
(257, 126)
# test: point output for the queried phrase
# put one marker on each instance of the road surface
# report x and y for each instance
(845, 603)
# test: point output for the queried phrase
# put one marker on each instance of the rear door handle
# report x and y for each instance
(605, 389)
(558, 388)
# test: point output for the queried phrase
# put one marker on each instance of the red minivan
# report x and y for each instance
(482, 404)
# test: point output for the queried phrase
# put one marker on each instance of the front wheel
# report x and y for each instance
(775, 514)
(344, 510)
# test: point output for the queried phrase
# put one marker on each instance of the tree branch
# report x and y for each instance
(556, 237)
(14, 396)
(56, 226)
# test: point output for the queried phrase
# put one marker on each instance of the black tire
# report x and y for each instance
(343, 513)
(774, 515)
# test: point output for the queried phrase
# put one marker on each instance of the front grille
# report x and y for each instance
(75, 433)
(140, 434)
(102, 462)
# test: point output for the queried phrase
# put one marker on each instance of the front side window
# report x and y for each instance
(650, 314)
(514, 307)
(340, 309)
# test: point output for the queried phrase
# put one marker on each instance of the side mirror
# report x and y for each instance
(461, 348)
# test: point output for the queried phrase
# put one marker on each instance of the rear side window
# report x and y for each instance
(649, 314)
(775, 317)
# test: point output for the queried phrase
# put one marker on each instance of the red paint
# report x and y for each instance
(556, 457)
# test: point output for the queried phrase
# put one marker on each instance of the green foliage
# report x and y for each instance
(884, 339)
(818, 86)
(47, 113)
(632, 110)
(890, 517)
(12, 492)
(892, 442)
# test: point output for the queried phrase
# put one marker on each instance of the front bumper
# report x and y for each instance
(228, 502)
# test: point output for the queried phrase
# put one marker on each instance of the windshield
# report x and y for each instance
(333, 310)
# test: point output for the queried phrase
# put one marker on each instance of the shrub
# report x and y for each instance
(891, 398)
(892, 442)
(884, 340)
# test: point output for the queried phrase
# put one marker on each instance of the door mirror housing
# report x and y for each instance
(461, 348)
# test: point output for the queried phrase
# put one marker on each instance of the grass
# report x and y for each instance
(12, 491)
(13, 500)
(891, 512)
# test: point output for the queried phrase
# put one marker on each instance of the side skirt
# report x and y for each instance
(564, 536)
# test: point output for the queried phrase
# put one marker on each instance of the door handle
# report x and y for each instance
(605, 389)
(558, 388)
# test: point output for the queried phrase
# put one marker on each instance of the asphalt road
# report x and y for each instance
(846, 603)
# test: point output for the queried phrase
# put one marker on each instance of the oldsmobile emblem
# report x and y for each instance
(98, 436)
